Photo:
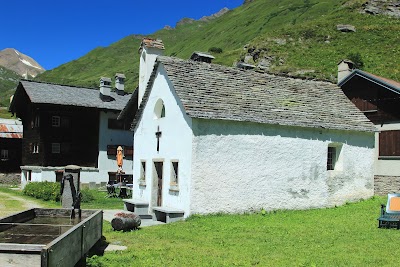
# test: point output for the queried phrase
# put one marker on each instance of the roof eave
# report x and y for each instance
(370, 78)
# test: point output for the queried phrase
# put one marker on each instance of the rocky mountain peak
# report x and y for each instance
(22, 64)
(216, 15)
(204, 18)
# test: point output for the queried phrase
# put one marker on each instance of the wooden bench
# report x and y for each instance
(168, 215)
(139, 207)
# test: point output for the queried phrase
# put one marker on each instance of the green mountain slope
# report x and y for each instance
(298, 37)
(8, 83)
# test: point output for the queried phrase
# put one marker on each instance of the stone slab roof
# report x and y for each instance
(385, 82)
(202, 54)
(46, 93)
(130, 108)
(209, 91)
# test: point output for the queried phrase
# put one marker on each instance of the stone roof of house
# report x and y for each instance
(202, 54)
(209, 91)
(388, 83)
(46, 93)
(128, 112)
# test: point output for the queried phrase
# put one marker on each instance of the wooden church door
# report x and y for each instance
(159, 171)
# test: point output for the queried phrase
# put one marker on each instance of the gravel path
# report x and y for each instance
(27, 204)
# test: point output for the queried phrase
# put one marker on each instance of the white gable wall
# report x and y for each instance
(175, 144)
(239, 167)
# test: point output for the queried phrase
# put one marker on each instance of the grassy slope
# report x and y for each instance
(306, 25)
(86, 71)
(8, 82)
(317, 45)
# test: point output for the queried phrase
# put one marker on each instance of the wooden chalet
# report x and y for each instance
(379, 99)
(10, 145)
(66, 125)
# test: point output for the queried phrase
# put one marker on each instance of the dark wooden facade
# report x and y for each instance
(14, 150)
(70, 139)
(380, 103)
(60, 135)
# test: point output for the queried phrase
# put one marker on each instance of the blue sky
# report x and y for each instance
(58, 31)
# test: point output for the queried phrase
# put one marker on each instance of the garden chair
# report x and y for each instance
(390, 213)
(111, 189)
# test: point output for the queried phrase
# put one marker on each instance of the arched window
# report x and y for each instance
(159, 109)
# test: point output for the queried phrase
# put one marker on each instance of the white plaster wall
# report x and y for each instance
(41, 174)
(38, 174)
(175, 144)
(48, 175)
(88, 175)
(239, 167)
(24, 179)
(110, 137)
(385, 166)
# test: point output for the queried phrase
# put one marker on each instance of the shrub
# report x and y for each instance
(357, 60)
(43, 190)
(215, 50)
(309, 34)
(87, 195)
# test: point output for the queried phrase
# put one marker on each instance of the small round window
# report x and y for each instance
(159, 109)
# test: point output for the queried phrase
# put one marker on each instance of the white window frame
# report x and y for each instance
(159, 109)
(174, 176)
(337, 164)
(142, 175)
(174, 173)
(55, 148)
(55, 121)
(35, 148)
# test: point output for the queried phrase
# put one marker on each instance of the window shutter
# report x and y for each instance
(112, 150)
(128, 151)
(389, 143)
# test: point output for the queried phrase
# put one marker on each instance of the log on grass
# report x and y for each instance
(125, 221)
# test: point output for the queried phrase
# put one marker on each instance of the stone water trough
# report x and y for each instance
(48, 237)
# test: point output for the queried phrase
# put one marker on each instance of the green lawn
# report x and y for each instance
(343, 236)
(102, 202)
(99, 202)
(8, 206)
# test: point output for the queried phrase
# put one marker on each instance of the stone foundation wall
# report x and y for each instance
(10, 178)
(386, 184)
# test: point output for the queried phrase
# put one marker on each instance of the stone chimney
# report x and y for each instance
(345, 67)
(105, 88)
(119, 83)
(202, 57)
(149, 50)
